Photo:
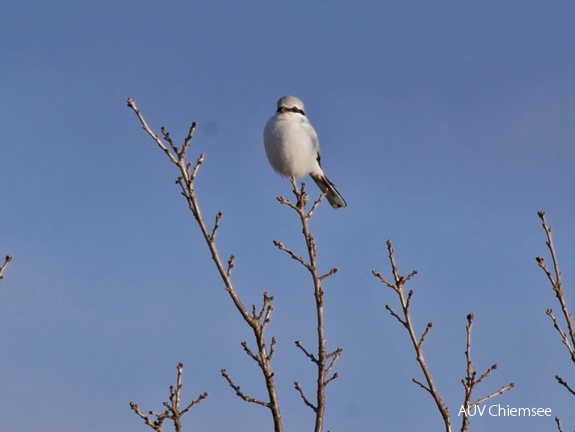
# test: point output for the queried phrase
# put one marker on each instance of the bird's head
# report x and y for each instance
(291, 104)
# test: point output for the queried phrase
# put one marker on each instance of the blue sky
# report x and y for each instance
(445, 125)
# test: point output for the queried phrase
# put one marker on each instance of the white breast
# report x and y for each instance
(291, 145)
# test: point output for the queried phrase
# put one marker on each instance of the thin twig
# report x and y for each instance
(303, 396)
(7, 261)
(240, 393)
(492, 395)
(564, 384)
(559, 427)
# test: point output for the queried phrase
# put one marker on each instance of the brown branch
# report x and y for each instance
(173, 411)
(330, 273)
(240, 393)
(396, 315)
(564, 384)
(423, 386)
(492, 395)
(399, 287)
(7, 261)
(557, 284)
(303, 396)
(559, 427)
(425, 333)
(322, 357)
(257, 323)
(563, 335)
(291, 253)
(334, 356)
(334, 376)
(306, 352)
(469, 382)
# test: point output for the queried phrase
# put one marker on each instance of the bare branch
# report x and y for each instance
(423, 386)
(492, 395)
(7, 261)
(425, 333)
(331, 273)
(564, 337)
(132, 104)
(557, 285)
(470, 381)
(334, 356)
(398, 286)
(216, 226)
(405, 319)
(306, 352)
(322, 358)
(558, 421)
(173, 411)
(396, 315)
(240, 393)
(384, 280)
(256, 358)
(258, 324)
(230, 265)
(315, 204)
(157, 424)
(487, 373)
(564, 384)
(272, 347)
(291, 253)
(305, 399)
(334, 376)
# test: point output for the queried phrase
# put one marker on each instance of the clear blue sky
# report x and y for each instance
(446, 126)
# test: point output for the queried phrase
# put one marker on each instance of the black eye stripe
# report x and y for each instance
(293, 109)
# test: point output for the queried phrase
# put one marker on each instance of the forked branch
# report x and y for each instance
(173, 410)
(471, 380)
(404, 317)
(554, 277)
(257, 321)
(398, 285)
(324, 361)
(557, 285)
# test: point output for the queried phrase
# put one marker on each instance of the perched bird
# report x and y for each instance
(292, 147)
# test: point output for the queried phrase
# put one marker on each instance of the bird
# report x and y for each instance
(292, 147)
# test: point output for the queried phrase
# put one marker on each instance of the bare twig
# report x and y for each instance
(557, 284)
(303, 396)
(257, 322)
(7, 261)
(240, 393)
(322, 360)
(398, 285)
(564, 337)
(173, 411)
(559, 427)
(470, 381)
(564, 384)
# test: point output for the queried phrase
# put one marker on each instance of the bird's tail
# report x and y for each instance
(333, 196)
